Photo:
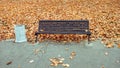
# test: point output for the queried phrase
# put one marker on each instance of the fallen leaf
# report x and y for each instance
(36, 51)
(109, 45)
(102, 66)
(66, 49)
(66, 65)
(55, 61)
(72, 55)
(118, 45)
(8, 63)
(19, 66)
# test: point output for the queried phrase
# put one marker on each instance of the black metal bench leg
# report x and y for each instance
(89, 38)
(36, 38)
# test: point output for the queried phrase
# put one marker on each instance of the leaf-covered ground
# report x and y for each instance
(104, 17)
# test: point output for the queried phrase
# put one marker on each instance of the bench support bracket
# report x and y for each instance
(88, 38)
(36, 36)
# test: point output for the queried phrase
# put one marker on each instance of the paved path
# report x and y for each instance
(94, 55)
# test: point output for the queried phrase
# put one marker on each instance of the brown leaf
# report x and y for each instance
(72, 55)
(102, 66)
(8, 63)
(66, 65)
(109, 45)
(118, 45)
(55, 61)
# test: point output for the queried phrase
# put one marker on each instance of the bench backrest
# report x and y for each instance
(64, 26)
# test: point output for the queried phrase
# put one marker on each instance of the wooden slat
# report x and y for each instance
(63, 26)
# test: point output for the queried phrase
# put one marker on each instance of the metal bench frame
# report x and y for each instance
(63, 27)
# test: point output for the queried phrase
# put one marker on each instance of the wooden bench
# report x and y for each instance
(63, 27)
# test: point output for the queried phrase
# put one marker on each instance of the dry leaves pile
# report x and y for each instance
(57, 61)
(104, 17)
(60, 60)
